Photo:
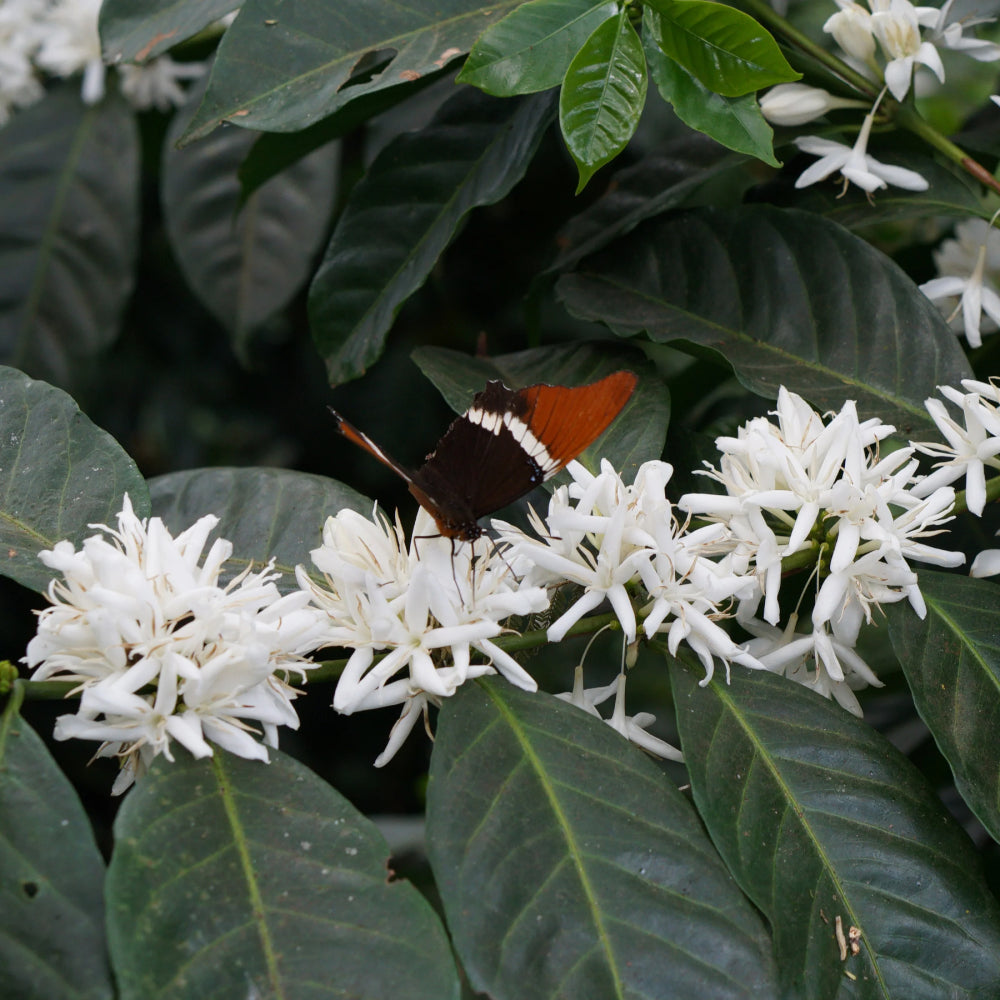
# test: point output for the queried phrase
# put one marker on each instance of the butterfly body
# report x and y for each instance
(505, 444)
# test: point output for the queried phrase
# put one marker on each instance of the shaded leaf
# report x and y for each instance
(265, 513)
(59, 473)
(569, 866)
(137, 32)
(233, 878)
(637, 434)
(735, 122)
(649, 187)
(952, 663)
(403, 214)
(787, 299)
(243, 260)
(52, 876)
(273, 152)
(602, 95)
(819, 818)
(532, 47)
(69, 200)
(304, 54)
(724, 49)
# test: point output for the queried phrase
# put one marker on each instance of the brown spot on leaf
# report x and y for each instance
(143, 54)
(446, 55)
(409, 74)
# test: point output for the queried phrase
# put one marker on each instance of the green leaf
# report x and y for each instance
(234, 878)
(637, 434)
(723, 48)
(666, 179)
(532, 47)
(403, 214)
(273, 152)
(569, 866)
(265, 513)
(52, 919)
(602, 96)
(787, 299)
(69, 200)
(243, 260)
(820, 818)
(61, 474)
(734, 122)
(302, 56)
(952, 663)
(138, 31)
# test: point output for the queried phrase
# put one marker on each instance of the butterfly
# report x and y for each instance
(505, 444)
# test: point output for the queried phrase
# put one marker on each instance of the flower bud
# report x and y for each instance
(851, 29)
(796, 103)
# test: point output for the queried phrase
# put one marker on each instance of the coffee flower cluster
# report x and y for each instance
(160, 652)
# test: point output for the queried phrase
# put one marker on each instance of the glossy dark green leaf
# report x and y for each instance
(787, 299)
(723, 48)
(638, 433)
(952, 663)
(403, 214)
(821, 819)
(51, 877)
(734, 122)
(302, 55)
(532, 47)
(273, 152)
(133, 31)
(265, 513)
(69, 182)
(234, 878)
(60, 474)
(602, 95)
(243, 260)
(569, 866)
(657, 182)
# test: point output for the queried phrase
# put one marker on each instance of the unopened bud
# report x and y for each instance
(851, 28)
(796, 103)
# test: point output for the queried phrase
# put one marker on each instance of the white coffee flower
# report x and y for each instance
(951, 34)
(814, 659)
(969, 268)
(854, 164)
(156, 84)
(898, 32)
(19, 83)
(413, 616)
(851, 28)
(633, 727)
(69, 44)
(971, 448)
(161, 652)
(614, 540)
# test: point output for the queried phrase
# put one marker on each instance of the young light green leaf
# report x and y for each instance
(952, 663)
(235, 878)
(724, 49)
(52, 944)
(569, 866)
(825, 824)
(784, 297)
(734, 122)
(61, 473)
(266, 513)
(602, 96)
(533, 46)
(638, 433)
(403, 214)
(69, 187)
(303, 55)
